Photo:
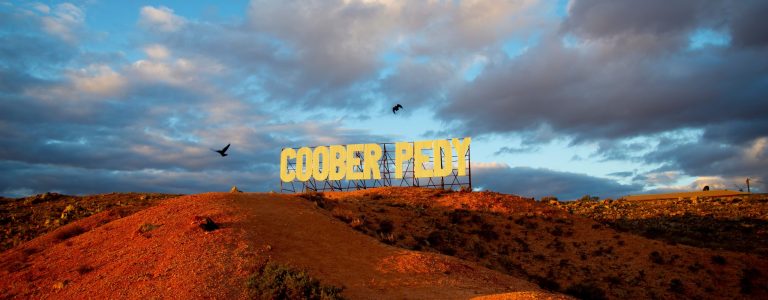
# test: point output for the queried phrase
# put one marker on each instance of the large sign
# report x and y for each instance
(430, 163)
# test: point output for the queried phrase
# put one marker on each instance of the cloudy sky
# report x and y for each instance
(564, 98)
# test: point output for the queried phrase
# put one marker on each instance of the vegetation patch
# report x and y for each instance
(276, 281)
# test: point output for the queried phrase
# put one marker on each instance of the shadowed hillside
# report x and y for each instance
(546, 244)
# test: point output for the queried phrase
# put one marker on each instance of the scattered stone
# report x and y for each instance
(205, 223)
(61, 284)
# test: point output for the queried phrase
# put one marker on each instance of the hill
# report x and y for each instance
(557, 246)
(164, 251)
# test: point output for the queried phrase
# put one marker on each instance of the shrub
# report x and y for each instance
(676, 286)
(82, 269)
(557, 231)
(387, 238)
(510, 265)
(274, 281)
(480, 250)
(458, 216)
(147, 227)
(586, 291)
(656, 258)
(317, 198)
(386, 226)
(746, 280)
(486, 232)
(546, 283)
(345, 215)
(69, 232)
(548, 198)
(357, 223)
(718, 260)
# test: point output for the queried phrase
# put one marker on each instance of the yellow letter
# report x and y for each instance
(372, 155)
(461, 152)
(419, 159)
(320, 173)
(286, 154)
(353, 162)
(442, 153)
(338, 156)
(403, 153)
(303, 164)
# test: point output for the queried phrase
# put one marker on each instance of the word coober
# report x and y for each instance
(361, 161)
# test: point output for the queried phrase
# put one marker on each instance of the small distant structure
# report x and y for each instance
(706, 188)
(235, 190)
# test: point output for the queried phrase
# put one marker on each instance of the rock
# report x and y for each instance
(205, 223)
(61, 284)
(234, 189)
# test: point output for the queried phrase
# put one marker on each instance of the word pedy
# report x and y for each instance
(361, 161)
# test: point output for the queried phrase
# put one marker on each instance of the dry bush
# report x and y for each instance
(69, 232)
(345, 215)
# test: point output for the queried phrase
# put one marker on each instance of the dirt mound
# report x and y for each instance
(162, 251)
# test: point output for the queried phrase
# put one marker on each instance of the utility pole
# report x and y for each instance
(748, 185)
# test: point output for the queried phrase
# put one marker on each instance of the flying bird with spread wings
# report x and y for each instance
(222, 152)
(396, 108)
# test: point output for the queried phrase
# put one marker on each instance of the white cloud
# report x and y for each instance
(99, 80)
(157, 51)
(161, 18)
(41, 8)
(64, 22)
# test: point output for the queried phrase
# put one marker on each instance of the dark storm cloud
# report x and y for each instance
(713, 158)
(590, 96)
(533, 182)
(21, 179)
(609, 18)
(749, 22)
(628, 72)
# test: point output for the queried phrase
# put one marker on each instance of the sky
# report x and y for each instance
(561, 98)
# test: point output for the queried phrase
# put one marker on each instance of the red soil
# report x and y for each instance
(96, 258)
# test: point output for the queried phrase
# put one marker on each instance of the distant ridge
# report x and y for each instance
(718, 193)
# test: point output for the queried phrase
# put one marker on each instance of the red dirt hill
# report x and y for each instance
(161, 251)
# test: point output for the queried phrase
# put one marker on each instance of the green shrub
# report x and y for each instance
(275, 281)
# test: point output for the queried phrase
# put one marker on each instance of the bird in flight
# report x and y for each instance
(396, 108)
(223, 152)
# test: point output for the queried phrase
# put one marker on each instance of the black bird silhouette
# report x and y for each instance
(396, 108)
(223, 152)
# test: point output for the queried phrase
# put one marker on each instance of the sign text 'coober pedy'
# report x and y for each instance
(361, 161)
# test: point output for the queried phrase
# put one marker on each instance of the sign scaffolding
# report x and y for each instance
(387, 167)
